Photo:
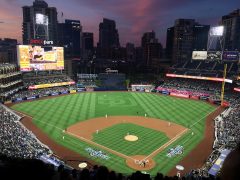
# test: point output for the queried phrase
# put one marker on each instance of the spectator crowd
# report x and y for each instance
(16, 140)
(42, 92)
(46, 80)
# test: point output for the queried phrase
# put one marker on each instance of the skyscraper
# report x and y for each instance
(147, 38)
(69, 36)
(39, 22)
(183, 38)
(169, 43)
(87, 45)
(108, 34)
(188, 35)
(152, 49)
(8, 51)
(231, 23)
(200, 37)
(130, 52)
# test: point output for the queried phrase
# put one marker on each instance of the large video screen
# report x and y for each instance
(199, 55)
(40, 58)
(230, 56)
(214, 55)
(41, 19)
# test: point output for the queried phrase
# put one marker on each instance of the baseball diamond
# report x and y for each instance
(100, 121)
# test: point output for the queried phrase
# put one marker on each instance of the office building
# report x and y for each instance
(39, 22)
(69, 36)
(87, 45)
(231, 23)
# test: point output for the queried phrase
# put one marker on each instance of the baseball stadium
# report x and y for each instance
(127, 127)
(69, 110)
(144, 128)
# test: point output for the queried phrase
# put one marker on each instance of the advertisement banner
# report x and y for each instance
(179, 95)
(40, 86)
(219, 162)
(204, 97)
(19, 99)
(64, 92)
(214, 55)
(40, 58)
(194, 97)
(199, 55)
(55, 94)
(237, 89)
(230, 56)
(32, 97)
(165, 92)
(199, 77)
(72, 91)
(81, 90)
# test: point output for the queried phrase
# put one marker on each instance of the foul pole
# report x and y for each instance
(223, 83)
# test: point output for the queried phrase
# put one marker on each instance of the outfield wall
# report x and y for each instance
(190, 95)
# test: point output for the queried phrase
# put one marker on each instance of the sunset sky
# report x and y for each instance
(133, 17)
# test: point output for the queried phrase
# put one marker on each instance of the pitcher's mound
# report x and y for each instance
(131, 138)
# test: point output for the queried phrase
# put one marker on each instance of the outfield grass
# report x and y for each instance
(148, 139)
(53, 115)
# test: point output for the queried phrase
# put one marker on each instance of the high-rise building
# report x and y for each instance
(200, 37)
(130, 52)
(231, 23)
(87, 45)
(8, 51)
(108, 44)
(188, 35)
(39, 22)
(169, 43)
(148, 37)
(152, 49)
(183, 39)
(108, 34)
(69, 36)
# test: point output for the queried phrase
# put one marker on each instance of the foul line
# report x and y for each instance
(18, 112)
(166, 144)
(43, 122)
(178, 136)
(204, 117)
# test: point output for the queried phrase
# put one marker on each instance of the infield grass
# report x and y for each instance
(148, 139)
(57, 113)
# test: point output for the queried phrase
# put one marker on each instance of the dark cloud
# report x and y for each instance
(133, 17)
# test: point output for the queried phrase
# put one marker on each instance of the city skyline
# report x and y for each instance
(135, 17)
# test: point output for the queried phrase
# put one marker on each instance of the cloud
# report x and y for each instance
(133, 17)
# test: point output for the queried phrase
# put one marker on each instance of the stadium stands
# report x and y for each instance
(204, 68)
(48, 80)
(10, 81)
(42, 92)
(18, 141)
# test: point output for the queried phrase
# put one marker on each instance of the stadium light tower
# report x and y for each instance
(223, 84)
(216, 38)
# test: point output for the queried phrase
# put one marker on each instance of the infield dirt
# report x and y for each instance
(85, 130)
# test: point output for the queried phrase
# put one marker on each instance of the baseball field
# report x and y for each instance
(121, 130)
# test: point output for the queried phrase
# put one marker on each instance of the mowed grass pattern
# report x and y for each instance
(55, 114)
(113, 138)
